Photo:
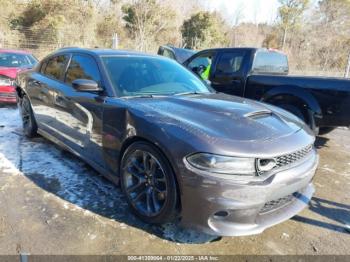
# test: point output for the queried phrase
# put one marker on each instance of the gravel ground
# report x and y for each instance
(53, 203)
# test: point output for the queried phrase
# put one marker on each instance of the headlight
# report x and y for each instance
(223, 164)
(5, 81)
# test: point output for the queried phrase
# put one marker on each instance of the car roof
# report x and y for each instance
(181, 54)
(232, 49)
(14, 51)
(101, 52)
(250, 49)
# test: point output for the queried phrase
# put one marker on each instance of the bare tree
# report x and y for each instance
(290, 13)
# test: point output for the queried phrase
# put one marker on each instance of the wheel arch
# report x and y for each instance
(291, 94)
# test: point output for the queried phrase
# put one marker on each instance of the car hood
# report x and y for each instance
(10, 72)
(220, 116)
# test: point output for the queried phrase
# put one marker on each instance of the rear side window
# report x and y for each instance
(270, 62)
(43, 67)
(55, 66)
(168, 54)
(83, 67)
(230, 63)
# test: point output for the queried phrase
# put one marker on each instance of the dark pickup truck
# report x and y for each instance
(262, 74)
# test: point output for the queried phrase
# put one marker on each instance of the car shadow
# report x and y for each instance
(76, 182)
(321, 142)
(85, 188)
(6, 105)
(339, 213)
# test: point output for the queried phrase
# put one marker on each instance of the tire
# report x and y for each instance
(30, 127)
(295, 111)
(148, 182)
(306, 117)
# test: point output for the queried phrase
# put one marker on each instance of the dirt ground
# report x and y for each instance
(52, 203)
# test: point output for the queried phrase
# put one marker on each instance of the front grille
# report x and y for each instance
(288, 159)
(276, 204)
(293, 157)
(7, 95)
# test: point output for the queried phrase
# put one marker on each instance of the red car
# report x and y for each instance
(11, 62)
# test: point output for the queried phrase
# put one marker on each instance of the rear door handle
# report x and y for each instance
(36, 83)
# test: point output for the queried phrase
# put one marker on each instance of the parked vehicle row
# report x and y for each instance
(11, 62)
(262, 74)
(180, 151)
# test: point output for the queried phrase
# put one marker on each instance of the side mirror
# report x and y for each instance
(86, 85)
(208, 82)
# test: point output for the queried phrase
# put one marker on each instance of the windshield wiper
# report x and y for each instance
(188, 93)
(139, 96)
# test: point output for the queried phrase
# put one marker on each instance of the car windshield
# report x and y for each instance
(17, 60)
(142, 75)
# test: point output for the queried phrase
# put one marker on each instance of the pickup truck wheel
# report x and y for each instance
(307, 117)
(326, 130)
(295, 111)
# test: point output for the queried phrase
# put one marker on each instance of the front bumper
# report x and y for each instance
(8, 94)
(235, 208)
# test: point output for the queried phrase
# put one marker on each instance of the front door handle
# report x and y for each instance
(235, 81)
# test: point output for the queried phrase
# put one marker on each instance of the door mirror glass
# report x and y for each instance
(86, 85)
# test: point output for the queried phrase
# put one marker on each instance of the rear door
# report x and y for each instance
(79, 114)
(228, 76)
(41, 87)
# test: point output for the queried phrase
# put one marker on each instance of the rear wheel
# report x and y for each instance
(28, 121)
(326, 130)
(148, 183)
(295, 111)
(303, 115)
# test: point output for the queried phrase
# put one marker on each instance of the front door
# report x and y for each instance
(79, 114)
(227, 76)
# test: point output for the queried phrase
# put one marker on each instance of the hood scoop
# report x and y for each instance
(258, 114)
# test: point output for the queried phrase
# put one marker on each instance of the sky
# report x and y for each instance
(251, 10)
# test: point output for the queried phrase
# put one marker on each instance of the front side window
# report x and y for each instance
(230, 63)
(83, 67)
(201, 65)
(17, 60)
(55, 66)
(141, 75)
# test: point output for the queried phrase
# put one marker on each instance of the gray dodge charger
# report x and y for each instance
(180, 151)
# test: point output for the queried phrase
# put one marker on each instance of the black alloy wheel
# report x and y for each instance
(148, 183)
(28, 121)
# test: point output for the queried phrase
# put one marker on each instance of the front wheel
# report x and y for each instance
(148, 183)
(28, 120)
